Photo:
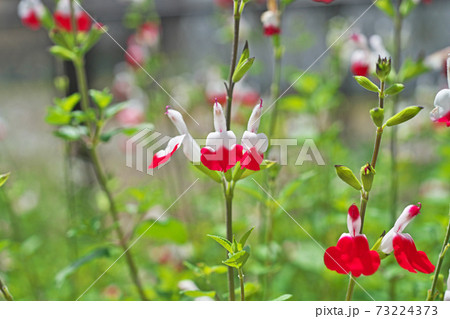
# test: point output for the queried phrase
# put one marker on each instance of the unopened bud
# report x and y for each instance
(347, 176)
(404, 115)
(367, 175)
(383, 68)
(377, 115)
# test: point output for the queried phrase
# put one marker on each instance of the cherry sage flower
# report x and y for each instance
(31, 13)
(271, 22)
(352, 253)
(441, 112)
(405, 250)
(254, 144)
(366, 52)
(221, 151)
(63, 18)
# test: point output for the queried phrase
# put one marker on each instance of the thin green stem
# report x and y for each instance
(230, 86)
(228, 192)
(276, 83)
(101, 177)
(364, 194)
(445, 246)
(5, 291)
(241, 280)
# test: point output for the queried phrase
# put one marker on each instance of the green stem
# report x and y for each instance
(228, 192)
(5, 291)
(394, 185)
(241, 279)
(278, 54)
(445, 246)
(230, 86)
(101, 177)
(364, 194)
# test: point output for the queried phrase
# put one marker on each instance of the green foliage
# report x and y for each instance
(386, 6)
(171, 230)
(394, 89)
(244, 64)
(3, 178)
(404, 115)
(367, 84)
(411, 69)
(101, 98)
(347, 176)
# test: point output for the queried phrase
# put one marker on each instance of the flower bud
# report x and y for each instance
(404, 115)
(377, 115)
(367, 175)
(346, 175)
(383, 68)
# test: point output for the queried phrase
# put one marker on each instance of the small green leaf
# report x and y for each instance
(266, 164)
(245, 237)
(93, 37)
(404, 115)
(245, 53)
(377, 115)
(101, 98)
(411, 69)
(394, 89)
(198, 293)
(347, 176)
(283, 297)
(114, 109)
(64, 273)
(386, 6)
(242, 69)
(63, 53)
(367, 84)
(214, 175)
(406, 7)
(237, 260)
(222, 241)
(3, 178)
(71, 133)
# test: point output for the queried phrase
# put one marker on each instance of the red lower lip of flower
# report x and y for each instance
(360, 69)
(408, 257)
(64, 21)
(83, 22)
(31, 21)
(222, 159)
(252, 160)
(157, 161)
(271, 30)
(352, 255)
(445, 119)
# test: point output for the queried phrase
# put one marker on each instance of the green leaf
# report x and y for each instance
(386, 6)
(411, 69)
(114, 109)
(406, 7)
(214, 175)
(64, 273)
(162, 231)
(367, 84)
(71, 133)
(237, 260)
(245, 53)
(347, 176)
(101, 98)
(283, 297)
(57, 116)
(242, 69)
(245, 237)
(93, 37)
(68, 103)
(198, 293)
(63, 53)
(222, 241)
(404, 115)
(3, 178)
(394, 89)
(266, 164)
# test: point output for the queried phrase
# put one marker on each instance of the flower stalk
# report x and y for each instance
(445, 246)
(241, 280)
(5, 291)
(238, 7)
(228, 192)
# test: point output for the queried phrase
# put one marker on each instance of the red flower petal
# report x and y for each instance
(222, 159)
(31, 21)
(271, 30)
(360, 69)
(83, 22)
(63, 21)
(408, 257)
(352, 254)
(251, 160)
(445, 119)
(159, 160)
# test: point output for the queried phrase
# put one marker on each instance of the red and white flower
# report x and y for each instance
(405, 251)
(360, 63)
(221, 151)
(63, 18)
(148, 34)
(271, 22)
(163, 156)
(365, 53)
(31, 13)
(352, 253)
(441, 112)
(254, 144)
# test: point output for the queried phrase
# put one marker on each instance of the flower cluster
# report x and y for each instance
(352, 253)
(221, 152)
(140, 43)
(63, 18)
(441, 113)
